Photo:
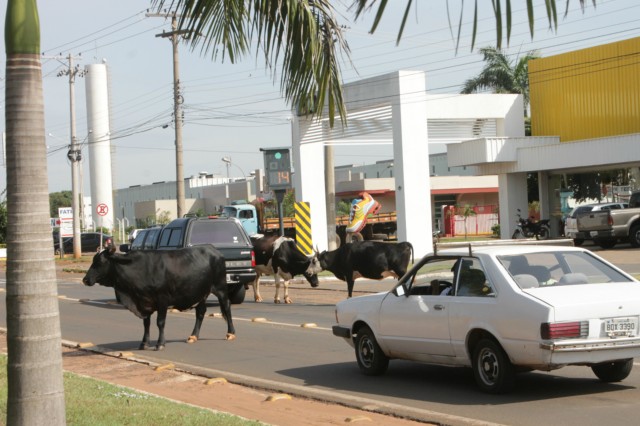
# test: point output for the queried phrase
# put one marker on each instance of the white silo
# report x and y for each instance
(99, 141)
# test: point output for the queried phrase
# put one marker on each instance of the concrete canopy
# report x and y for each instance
(394, 108)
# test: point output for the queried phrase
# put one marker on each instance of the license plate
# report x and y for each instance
(627, 326)
(593, 233)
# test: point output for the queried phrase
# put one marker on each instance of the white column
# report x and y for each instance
(308, 179)
(512, 194)
(411, 161)
(99, 141)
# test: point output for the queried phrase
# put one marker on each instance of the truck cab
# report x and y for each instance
(246, 214)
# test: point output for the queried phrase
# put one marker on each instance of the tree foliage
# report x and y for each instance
(502, 75)
(59, 199)
(303, 36)
(502, 11)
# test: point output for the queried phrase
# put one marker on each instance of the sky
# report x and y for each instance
(233, 110)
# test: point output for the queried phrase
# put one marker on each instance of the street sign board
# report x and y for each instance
(66, 221)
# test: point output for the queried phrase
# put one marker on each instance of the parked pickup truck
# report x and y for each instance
(608, 227)
(225, 234)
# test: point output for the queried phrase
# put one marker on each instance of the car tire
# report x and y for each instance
(371, 360)
(614, 371)
(492, 368)
(236, 293)
(606, 244)
(578, 242)
(634, 236)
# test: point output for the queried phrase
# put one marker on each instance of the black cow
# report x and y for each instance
(369, 259)
(280, 254)
(146, 281)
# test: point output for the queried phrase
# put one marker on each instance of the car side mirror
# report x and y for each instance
(399, 290)
(125, 248)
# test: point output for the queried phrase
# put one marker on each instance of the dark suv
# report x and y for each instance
(227, 235)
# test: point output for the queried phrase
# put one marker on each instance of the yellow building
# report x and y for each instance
(588, 93)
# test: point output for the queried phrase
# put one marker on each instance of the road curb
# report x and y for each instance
(321, 395)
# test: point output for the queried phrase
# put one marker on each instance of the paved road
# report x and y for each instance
(282, 354)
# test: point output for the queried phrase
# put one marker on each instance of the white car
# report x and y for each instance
(500, 309)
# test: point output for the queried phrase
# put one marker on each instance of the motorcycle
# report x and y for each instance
(528, 228)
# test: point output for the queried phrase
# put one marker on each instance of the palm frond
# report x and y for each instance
(302, 36)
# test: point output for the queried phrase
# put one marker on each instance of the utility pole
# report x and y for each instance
(177, 106)
(74, 155)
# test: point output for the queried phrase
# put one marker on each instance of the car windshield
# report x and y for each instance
(228, 212)
(553, 268)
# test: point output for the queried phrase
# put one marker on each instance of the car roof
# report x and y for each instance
(499, 248)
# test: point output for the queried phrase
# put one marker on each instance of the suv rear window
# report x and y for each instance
(216, 232)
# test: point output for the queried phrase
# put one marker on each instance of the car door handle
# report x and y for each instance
(438, 307)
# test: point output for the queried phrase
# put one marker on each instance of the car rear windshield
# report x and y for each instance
(554, 268)
(216, 232)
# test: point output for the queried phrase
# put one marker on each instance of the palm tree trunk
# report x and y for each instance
(34, 370)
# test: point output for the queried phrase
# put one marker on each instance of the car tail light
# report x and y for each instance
(564, 330)
(253, 259)
(610, 220)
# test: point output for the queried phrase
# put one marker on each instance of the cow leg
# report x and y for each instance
(276, 298)
(160, 322)
(256, 289)
(201, 309)
(350, 282)
(286, 298)
(225, 309)
(145, 338)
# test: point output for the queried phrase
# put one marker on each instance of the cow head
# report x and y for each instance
(99, 268)
(325, 258)
(314, 268)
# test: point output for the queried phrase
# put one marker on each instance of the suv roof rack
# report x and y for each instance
(471, 244)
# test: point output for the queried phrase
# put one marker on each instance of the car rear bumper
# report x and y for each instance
(243, 276)
(592, 352)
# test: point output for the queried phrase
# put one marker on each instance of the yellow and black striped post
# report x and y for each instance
(303, 227)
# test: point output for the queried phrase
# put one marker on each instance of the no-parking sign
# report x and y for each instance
(102, 209)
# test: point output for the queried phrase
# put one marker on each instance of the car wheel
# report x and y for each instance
(634, 236)
(236, 293)
(578, 242)
(543, 234)
(492, 369)
(606, 244)
(614, 371)
(371, 360)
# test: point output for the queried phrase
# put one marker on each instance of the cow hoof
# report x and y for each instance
(287, 300)
(231, 336)
(192, 339)
(143, 347)
(276, 300)
(258, 299)
(159, 347)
